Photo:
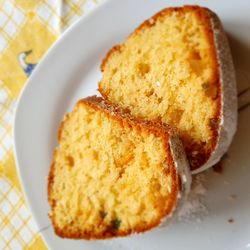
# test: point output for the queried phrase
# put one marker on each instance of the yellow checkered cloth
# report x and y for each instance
(27, 30)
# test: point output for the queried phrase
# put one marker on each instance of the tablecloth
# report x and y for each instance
(27, 29)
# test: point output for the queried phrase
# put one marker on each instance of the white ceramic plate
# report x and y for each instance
(70, 71)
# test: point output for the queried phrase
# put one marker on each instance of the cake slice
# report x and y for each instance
(113, 175)
(177, 67)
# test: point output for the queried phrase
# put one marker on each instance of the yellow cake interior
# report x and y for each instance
(167, 71)
(108, 176)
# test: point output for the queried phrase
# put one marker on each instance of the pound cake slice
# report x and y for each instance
(113, 175)
(177, 67)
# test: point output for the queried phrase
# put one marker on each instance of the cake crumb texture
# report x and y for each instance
(168, 70)
(111, 175)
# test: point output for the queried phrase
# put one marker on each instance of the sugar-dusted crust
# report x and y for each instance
(224, 119)
(181, 162)
(177, 165)
(227, 80)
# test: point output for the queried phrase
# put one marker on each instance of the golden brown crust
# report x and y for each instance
(117, 113)
(50, 182)
(125, 120)
(200, 159)
(110, 52)
(204, 152)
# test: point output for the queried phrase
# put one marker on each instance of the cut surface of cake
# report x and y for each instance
(112, 174)
(177, 67)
